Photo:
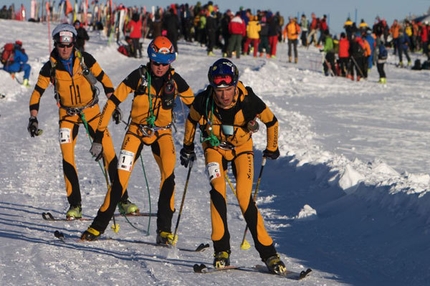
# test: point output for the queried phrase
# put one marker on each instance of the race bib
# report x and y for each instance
(125, 161)
(65, 135)
(213, 171)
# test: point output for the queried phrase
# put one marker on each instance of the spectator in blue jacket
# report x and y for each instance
(403, 47)
(19, 63)
(372, 43)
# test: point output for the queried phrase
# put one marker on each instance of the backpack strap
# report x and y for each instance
(85, 70)
(144, 76)
(89, 76)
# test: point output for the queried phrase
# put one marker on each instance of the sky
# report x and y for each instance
(337, 11)
(348, 197)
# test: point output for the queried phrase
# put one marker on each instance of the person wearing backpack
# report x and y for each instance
(74, 75)
(17, 62)
(382, 59)
(156, 87)
(357, 55)
(225, 114)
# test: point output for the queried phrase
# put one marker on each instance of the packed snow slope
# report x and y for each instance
(348, 196)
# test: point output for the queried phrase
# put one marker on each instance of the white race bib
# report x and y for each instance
(213, 170)
(65, 135)
(125, 160)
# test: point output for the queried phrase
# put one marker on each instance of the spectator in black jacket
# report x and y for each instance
(172, 26)
(81, 37)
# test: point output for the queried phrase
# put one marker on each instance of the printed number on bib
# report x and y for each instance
(125, 161)
(65, 136)
(213, 170)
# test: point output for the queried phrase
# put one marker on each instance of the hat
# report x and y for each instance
(64, 33)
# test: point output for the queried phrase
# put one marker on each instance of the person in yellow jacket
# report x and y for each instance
(155, 85)
(74, 75)
(226, 113)
(292, 31)
(252, 35)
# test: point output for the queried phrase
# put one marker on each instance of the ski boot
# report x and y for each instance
(90, 234)
(222, 259)
(127, 207)
(275, 265)
(166, 238)
(74, 212)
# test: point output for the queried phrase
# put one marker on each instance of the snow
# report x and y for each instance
(348, 197)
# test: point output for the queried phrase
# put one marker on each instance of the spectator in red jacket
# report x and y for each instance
(135, 28)
(343, 55)
(237, 29)
(314, 27)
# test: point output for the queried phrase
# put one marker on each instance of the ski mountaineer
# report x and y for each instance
(156, 86)
(226, 112)
(74, 75)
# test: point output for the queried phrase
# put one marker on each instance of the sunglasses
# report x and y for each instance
(159, 64)
(222, 80)
(62, 46)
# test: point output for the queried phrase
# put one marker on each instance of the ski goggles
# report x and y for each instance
(160, 64)
(62, 46)
(222, 80)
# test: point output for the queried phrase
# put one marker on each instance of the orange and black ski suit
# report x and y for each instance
(236, 149)
(77, 100)
(150, 125)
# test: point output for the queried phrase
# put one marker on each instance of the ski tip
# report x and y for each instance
(200, 268)
(58, 234)
(202, 247)
(305, 273)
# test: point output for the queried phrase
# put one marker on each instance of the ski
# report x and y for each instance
(137, 214)
(202, 268)
(200, 248)
(290, 274)
(48, 216)
(60, 235)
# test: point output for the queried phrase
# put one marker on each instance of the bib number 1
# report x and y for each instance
(125, 161)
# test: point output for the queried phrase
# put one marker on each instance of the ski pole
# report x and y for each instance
(245, 245)
(149, 193)
(115, 226)
(230, 184)
(182, 202)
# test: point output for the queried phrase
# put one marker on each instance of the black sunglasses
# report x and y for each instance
(62, 46)
(159, 64)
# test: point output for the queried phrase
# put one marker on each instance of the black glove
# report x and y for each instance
(271, 154)
(97, 147)
(117, 115)
(33, 126)
(187, 155)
